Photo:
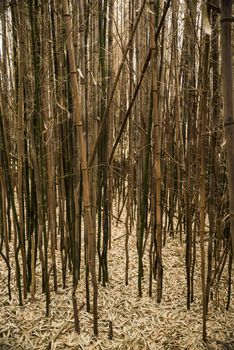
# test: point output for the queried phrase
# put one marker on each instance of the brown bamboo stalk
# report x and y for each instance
(142, 74)
(226, 14)
(213, 145)
(111, 95)
(202, 208)
(83, 158)
(48, 120)
(110, 74)
(20, 145)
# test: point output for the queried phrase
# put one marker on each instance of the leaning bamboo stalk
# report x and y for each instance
(114, 86)
(83, 158)
(138, 85)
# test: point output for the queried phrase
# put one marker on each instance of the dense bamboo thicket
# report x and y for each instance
(115, 105)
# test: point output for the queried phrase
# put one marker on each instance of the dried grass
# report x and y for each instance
(137, 323)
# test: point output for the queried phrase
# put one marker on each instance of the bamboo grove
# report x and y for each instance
(114, 105)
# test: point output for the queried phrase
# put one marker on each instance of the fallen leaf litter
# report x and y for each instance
(138, 323)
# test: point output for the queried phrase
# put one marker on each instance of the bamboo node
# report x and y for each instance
(227, 19)
(229, 122)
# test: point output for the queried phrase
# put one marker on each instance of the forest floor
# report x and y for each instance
(138, 323)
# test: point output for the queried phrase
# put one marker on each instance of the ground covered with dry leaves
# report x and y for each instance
(137, 323)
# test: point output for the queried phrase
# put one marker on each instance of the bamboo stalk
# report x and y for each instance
(83, 158)
(226, 14)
